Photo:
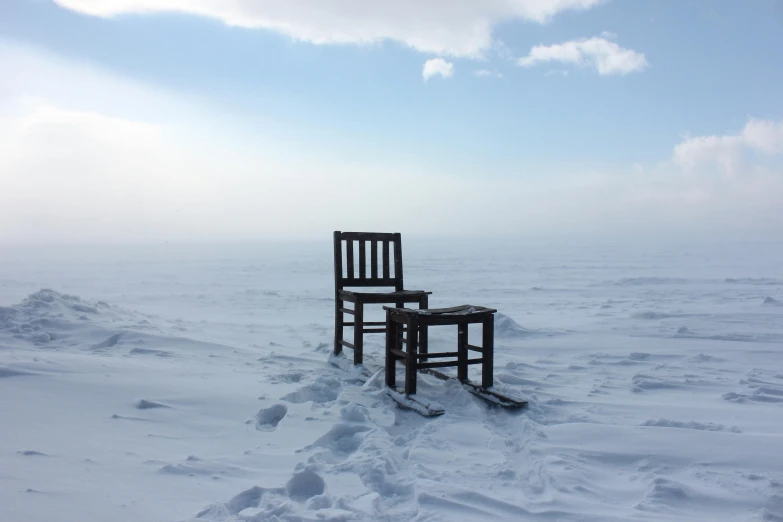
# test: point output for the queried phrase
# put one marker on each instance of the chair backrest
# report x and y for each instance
(379, 245)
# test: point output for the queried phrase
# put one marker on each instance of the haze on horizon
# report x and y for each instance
(134, 121)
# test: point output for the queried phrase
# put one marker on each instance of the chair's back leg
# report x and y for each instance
(338, 303)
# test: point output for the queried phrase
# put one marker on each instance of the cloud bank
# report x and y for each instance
(78, 166)
(460, 28)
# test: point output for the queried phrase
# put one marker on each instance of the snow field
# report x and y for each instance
(193, 384)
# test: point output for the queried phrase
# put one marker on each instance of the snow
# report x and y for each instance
(194, 384)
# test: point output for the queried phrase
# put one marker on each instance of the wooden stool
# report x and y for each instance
(416, 355)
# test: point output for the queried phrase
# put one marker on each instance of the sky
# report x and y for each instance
(149, 121)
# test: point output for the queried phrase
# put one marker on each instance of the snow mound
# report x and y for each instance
(46, 315)
(757, 386)
(145, 404)
(701, 357)
(689, 425)
(765, 281)
(10, 372)
(342, 438)
(194, 466)
(325, 389)
(506, 327)
(665, 495)
(644, 281)
(54, 321)
(652, 315)
(32, 453)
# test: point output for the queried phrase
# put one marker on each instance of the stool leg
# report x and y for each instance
(488, 345)
(462, 352)
(423, 330)
(358, 333)
(411, 350)
(391, 359)
(338, 325)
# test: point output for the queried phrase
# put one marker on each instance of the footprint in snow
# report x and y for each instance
(268, 419)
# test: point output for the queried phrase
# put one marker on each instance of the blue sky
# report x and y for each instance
(323, 89)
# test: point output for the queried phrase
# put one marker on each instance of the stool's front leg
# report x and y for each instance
(488, 345)
(462, 352)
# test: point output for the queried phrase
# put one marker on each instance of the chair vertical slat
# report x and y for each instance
(386, 260)
(362, 259)
(374, 259)
(398, 261)
(349, 255)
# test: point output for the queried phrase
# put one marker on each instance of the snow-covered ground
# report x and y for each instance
(191, 383)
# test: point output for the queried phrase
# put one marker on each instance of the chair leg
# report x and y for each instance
(358, 333)
(488, 345)
(338, 325)
(391, 359)
(411, 360)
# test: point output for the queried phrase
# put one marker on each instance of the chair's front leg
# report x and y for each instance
(358, 333)
(391, 344)
(411, 359)
(339, 318)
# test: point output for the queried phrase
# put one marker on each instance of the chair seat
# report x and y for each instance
(404, 296)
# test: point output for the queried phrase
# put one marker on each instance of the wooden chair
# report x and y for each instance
(367, 278)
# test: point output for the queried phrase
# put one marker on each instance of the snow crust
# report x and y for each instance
(194, 384)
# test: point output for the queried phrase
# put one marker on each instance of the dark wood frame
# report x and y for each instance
(384, 278)
(415, 324)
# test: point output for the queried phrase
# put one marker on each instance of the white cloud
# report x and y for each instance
(606, 57)
(461, 28)
(764, 136)
(728, 152)
(609, 35)
(556, 72)
(488, 73)
(437, 66)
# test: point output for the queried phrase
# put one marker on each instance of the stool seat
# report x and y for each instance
(454, 310)
(441, 316)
